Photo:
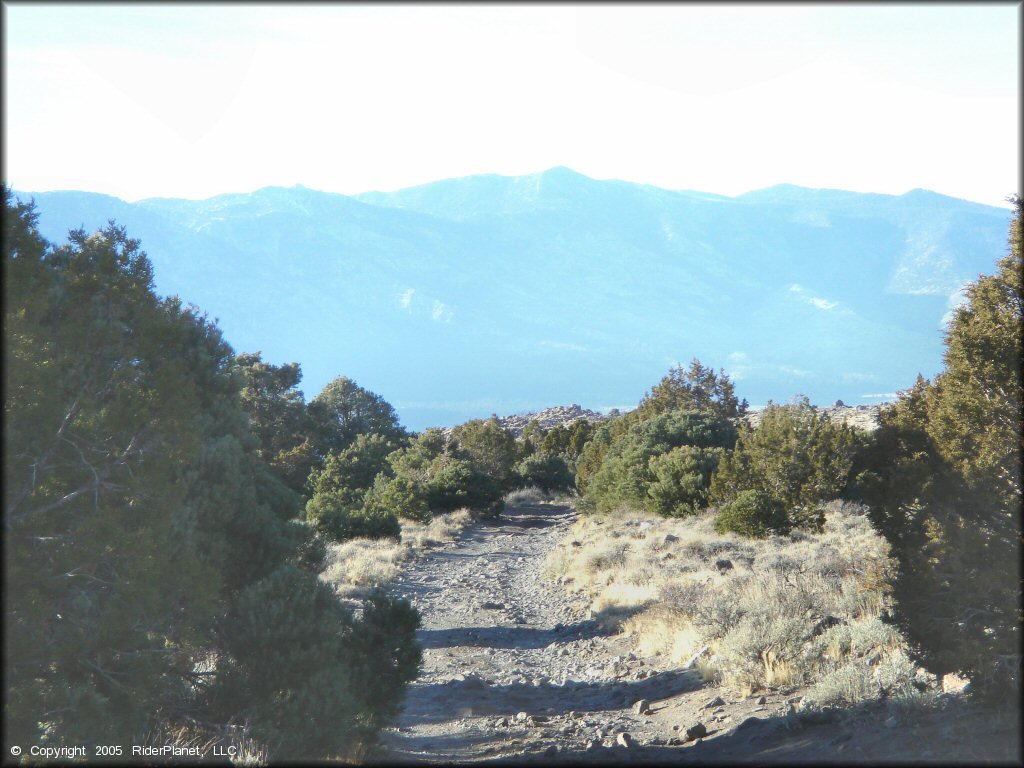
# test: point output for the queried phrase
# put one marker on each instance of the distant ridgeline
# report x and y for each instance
(499, 294)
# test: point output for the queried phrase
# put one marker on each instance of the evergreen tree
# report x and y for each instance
(696, 388)
(343, 410)
(490, 447)
(942, 475)
(796, 456)
(140, 523)
(641, 469)
(278, 417)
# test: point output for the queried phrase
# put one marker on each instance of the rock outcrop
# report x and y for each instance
(560, 415)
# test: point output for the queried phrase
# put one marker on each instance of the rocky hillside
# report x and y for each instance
(865, 417)
(560, 415)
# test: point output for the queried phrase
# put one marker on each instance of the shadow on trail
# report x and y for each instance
(509, 637)
(532, 516)
(439, 703)
(962, 732)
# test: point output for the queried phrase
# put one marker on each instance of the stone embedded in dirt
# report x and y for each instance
(761, 700)
(642, 707)
(954, 683)
(624, 739)
(522, 717)
(696, 731)
(551, 751)
(715, 702)
(489, 606)
(674, 742)
(693, 659)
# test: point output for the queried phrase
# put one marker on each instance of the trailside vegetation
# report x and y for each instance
(797, 459)
(159, 577)
(943, 479)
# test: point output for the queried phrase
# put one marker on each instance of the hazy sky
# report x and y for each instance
(196, 100)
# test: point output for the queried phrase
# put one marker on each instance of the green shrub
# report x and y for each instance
(754, 514)
(351, 471)
(400, 496)
(681, 479)
(628, 469)
(797, 456)
(490, 448)
(546, 471)
(457, 484)
(568, 440)
(332, 515)
(312, 680)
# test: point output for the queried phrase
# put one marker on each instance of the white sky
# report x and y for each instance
(197, 100)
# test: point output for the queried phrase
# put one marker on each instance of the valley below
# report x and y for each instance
(519, 669)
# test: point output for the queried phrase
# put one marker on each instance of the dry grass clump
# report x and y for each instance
(234, 741)
(357, 566)
(442, 529)
(529, 495)
(786, 611)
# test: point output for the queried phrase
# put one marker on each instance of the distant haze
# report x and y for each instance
(504, 294)
(192, 100)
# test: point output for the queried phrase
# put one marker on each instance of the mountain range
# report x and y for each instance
(498, 294)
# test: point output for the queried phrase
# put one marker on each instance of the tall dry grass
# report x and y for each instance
(784, 612)
(357, 566)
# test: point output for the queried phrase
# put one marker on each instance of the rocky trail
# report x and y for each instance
(515, 670)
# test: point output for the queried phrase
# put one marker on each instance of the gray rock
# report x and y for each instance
(625, 740)
(761, 700)
(642, 707)
(723, 566)
(551, 751)
(715, 702)
(696, 731)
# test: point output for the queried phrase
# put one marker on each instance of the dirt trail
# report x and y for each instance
(515, 670)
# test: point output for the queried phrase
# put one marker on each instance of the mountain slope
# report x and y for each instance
(503, 294)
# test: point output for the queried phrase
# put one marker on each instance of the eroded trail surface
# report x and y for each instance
(514, 670)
